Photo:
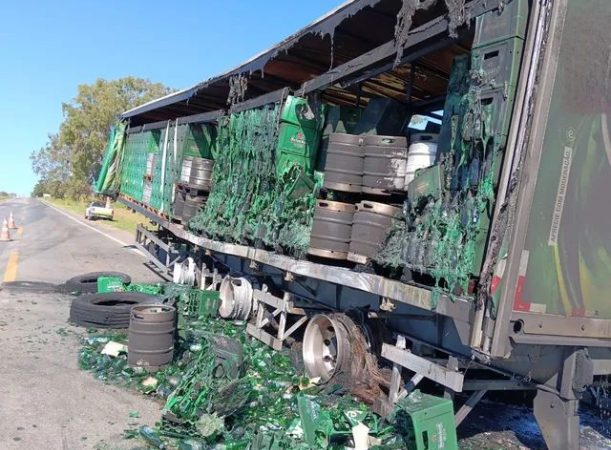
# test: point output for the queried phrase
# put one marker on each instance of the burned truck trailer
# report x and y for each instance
(439, 168)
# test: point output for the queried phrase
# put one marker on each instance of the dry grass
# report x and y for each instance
(124, 219)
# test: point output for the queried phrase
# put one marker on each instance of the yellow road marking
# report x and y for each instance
(10, 274)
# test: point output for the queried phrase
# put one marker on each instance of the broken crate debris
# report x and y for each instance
(226, 390)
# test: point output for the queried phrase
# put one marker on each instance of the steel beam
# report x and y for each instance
(497, 385)
(151, 237)
(206, 117)
(281, 307)
(547, 324)
(380, 54)
(465, 409)
(155, 218)
(435, 372)
(459, 309)
(271, 97)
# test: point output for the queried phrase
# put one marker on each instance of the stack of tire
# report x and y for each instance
(103, 310)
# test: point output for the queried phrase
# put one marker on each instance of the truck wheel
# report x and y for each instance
(88, 282)
(108, 310)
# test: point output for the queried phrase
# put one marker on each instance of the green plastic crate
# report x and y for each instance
(209, 302)
(199, 141)
(428, 421)
(193, 303)
(296, 111)
(298, 135)
(145, 288)
(494, 27)
(296, 144)
(110, 284)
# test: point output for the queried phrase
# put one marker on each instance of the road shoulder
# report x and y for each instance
(123, 237)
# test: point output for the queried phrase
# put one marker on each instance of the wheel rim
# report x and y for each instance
(324, 345)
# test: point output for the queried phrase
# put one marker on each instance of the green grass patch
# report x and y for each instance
(124, 219)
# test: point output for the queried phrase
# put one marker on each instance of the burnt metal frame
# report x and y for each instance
(168, 100)
(459, 309)
(443, 371)
(145, 236)
(206, 117)
(368, 60)
(147, 127)
(156, 219)
(251, 65)
(281, 307)
(270, 97)
(419, 35)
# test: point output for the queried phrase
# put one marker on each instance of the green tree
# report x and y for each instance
(52, 164)
(68, 164)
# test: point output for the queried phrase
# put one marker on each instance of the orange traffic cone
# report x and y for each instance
(11, 221)
(4, 234)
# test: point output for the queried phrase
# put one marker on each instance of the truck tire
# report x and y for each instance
(88, 282)
(108, 310)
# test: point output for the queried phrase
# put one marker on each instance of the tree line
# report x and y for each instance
(68, 164)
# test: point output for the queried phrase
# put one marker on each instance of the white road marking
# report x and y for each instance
(112, 238)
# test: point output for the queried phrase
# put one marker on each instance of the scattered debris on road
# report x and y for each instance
(224, 388)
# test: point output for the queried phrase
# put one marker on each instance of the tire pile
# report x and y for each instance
(88, 282)
(103, 310)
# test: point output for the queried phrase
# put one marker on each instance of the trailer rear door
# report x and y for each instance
(559, 266)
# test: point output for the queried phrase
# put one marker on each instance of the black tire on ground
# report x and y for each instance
(108, 310)
(88, 282)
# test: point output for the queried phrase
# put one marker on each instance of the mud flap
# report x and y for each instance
(556, 412)
(558, 420)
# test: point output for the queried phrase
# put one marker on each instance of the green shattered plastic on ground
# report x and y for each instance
(227, 391)
(151, 289)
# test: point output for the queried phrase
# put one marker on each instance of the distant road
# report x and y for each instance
(53, 246)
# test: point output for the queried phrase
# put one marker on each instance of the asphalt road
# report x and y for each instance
(45, 400)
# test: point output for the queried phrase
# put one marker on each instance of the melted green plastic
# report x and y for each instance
(249, 203)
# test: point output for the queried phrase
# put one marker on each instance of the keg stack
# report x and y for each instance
(365, 184)
(192, 187)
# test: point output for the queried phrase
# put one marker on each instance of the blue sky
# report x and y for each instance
(48, 48)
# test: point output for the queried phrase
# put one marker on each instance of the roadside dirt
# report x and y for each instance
(47, 402)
